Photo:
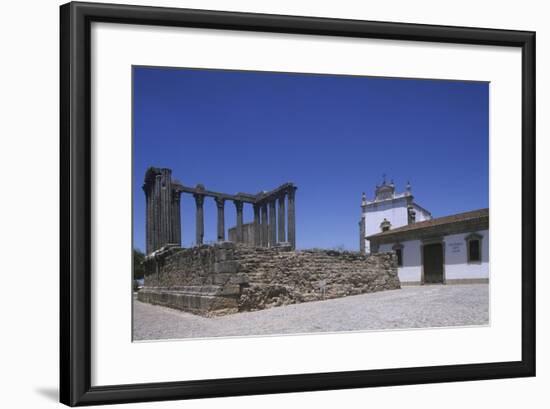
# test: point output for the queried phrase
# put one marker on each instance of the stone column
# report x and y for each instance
(264, 226)
(157, 229)
(257, 241)
(148, 223)
(239, 208)
(176, 218)
(152, 188)
(281, 219)
(199, 230)
(291, 217)
(220, 203)
(167, 206)
(272, 224)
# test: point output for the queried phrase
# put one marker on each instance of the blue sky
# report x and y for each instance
(333, 136)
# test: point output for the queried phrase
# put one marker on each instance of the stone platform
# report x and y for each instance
(208, 300)
(225, 278)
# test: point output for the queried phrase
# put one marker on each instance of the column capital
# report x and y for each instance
(199, 199)
(291, 191)
(220, 202)
(238, 205)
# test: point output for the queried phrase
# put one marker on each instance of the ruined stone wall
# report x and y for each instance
(279, 277)
(228, 277)
(200, 265)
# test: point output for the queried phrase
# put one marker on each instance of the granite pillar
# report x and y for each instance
(166, 216)
(291, 217)
(257, 226)
(148, 234)
(272, 224)
(220, 203)
(264, 230)
(176, 218)
(199, 229)
(239, 208)
(157, 230)
(281, 236)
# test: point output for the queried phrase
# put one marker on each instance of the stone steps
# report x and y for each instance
(208, 300)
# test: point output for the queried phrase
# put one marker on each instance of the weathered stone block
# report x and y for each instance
(283, 246)
(226, 267)
(221, 278)
(225, 245)
(207, 301)
(239, 279)
(224, 254)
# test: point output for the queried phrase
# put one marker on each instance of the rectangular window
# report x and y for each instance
(474, 253)
(399, 254)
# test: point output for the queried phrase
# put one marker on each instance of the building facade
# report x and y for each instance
(388, 210)
(446, 250)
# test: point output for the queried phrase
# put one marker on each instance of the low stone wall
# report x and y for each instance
(279, 277)
(227, 277)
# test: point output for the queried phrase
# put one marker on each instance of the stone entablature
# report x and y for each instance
(227, 277)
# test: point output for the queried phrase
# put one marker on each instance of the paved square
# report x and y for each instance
(409, 307)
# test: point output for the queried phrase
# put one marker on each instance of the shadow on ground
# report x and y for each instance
(49, 393)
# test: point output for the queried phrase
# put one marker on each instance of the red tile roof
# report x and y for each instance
(455, 218)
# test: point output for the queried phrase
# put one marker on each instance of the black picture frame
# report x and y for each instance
(75, 203)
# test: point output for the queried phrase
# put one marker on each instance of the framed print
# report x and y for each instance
(259, 204)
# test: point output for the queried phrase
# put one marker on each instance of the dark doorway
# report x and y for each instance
(433, 263)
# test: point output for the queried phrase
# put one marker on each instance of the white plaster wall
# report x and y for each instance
(367, 246)
(411, 271)
(456, 257)
(421, 214)
(456, 260)
(395, 212)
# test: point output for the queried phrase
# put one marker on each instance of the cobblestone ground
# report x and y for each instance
(410, 307)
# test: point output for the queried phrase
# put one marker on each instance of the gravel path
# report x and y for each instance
(410, 307)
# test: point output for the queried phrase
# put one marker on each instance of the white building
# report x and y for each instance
(450, 249)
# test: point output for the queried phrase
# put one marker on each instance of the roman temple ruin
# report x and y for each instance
(163, 213)
(256, 267)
